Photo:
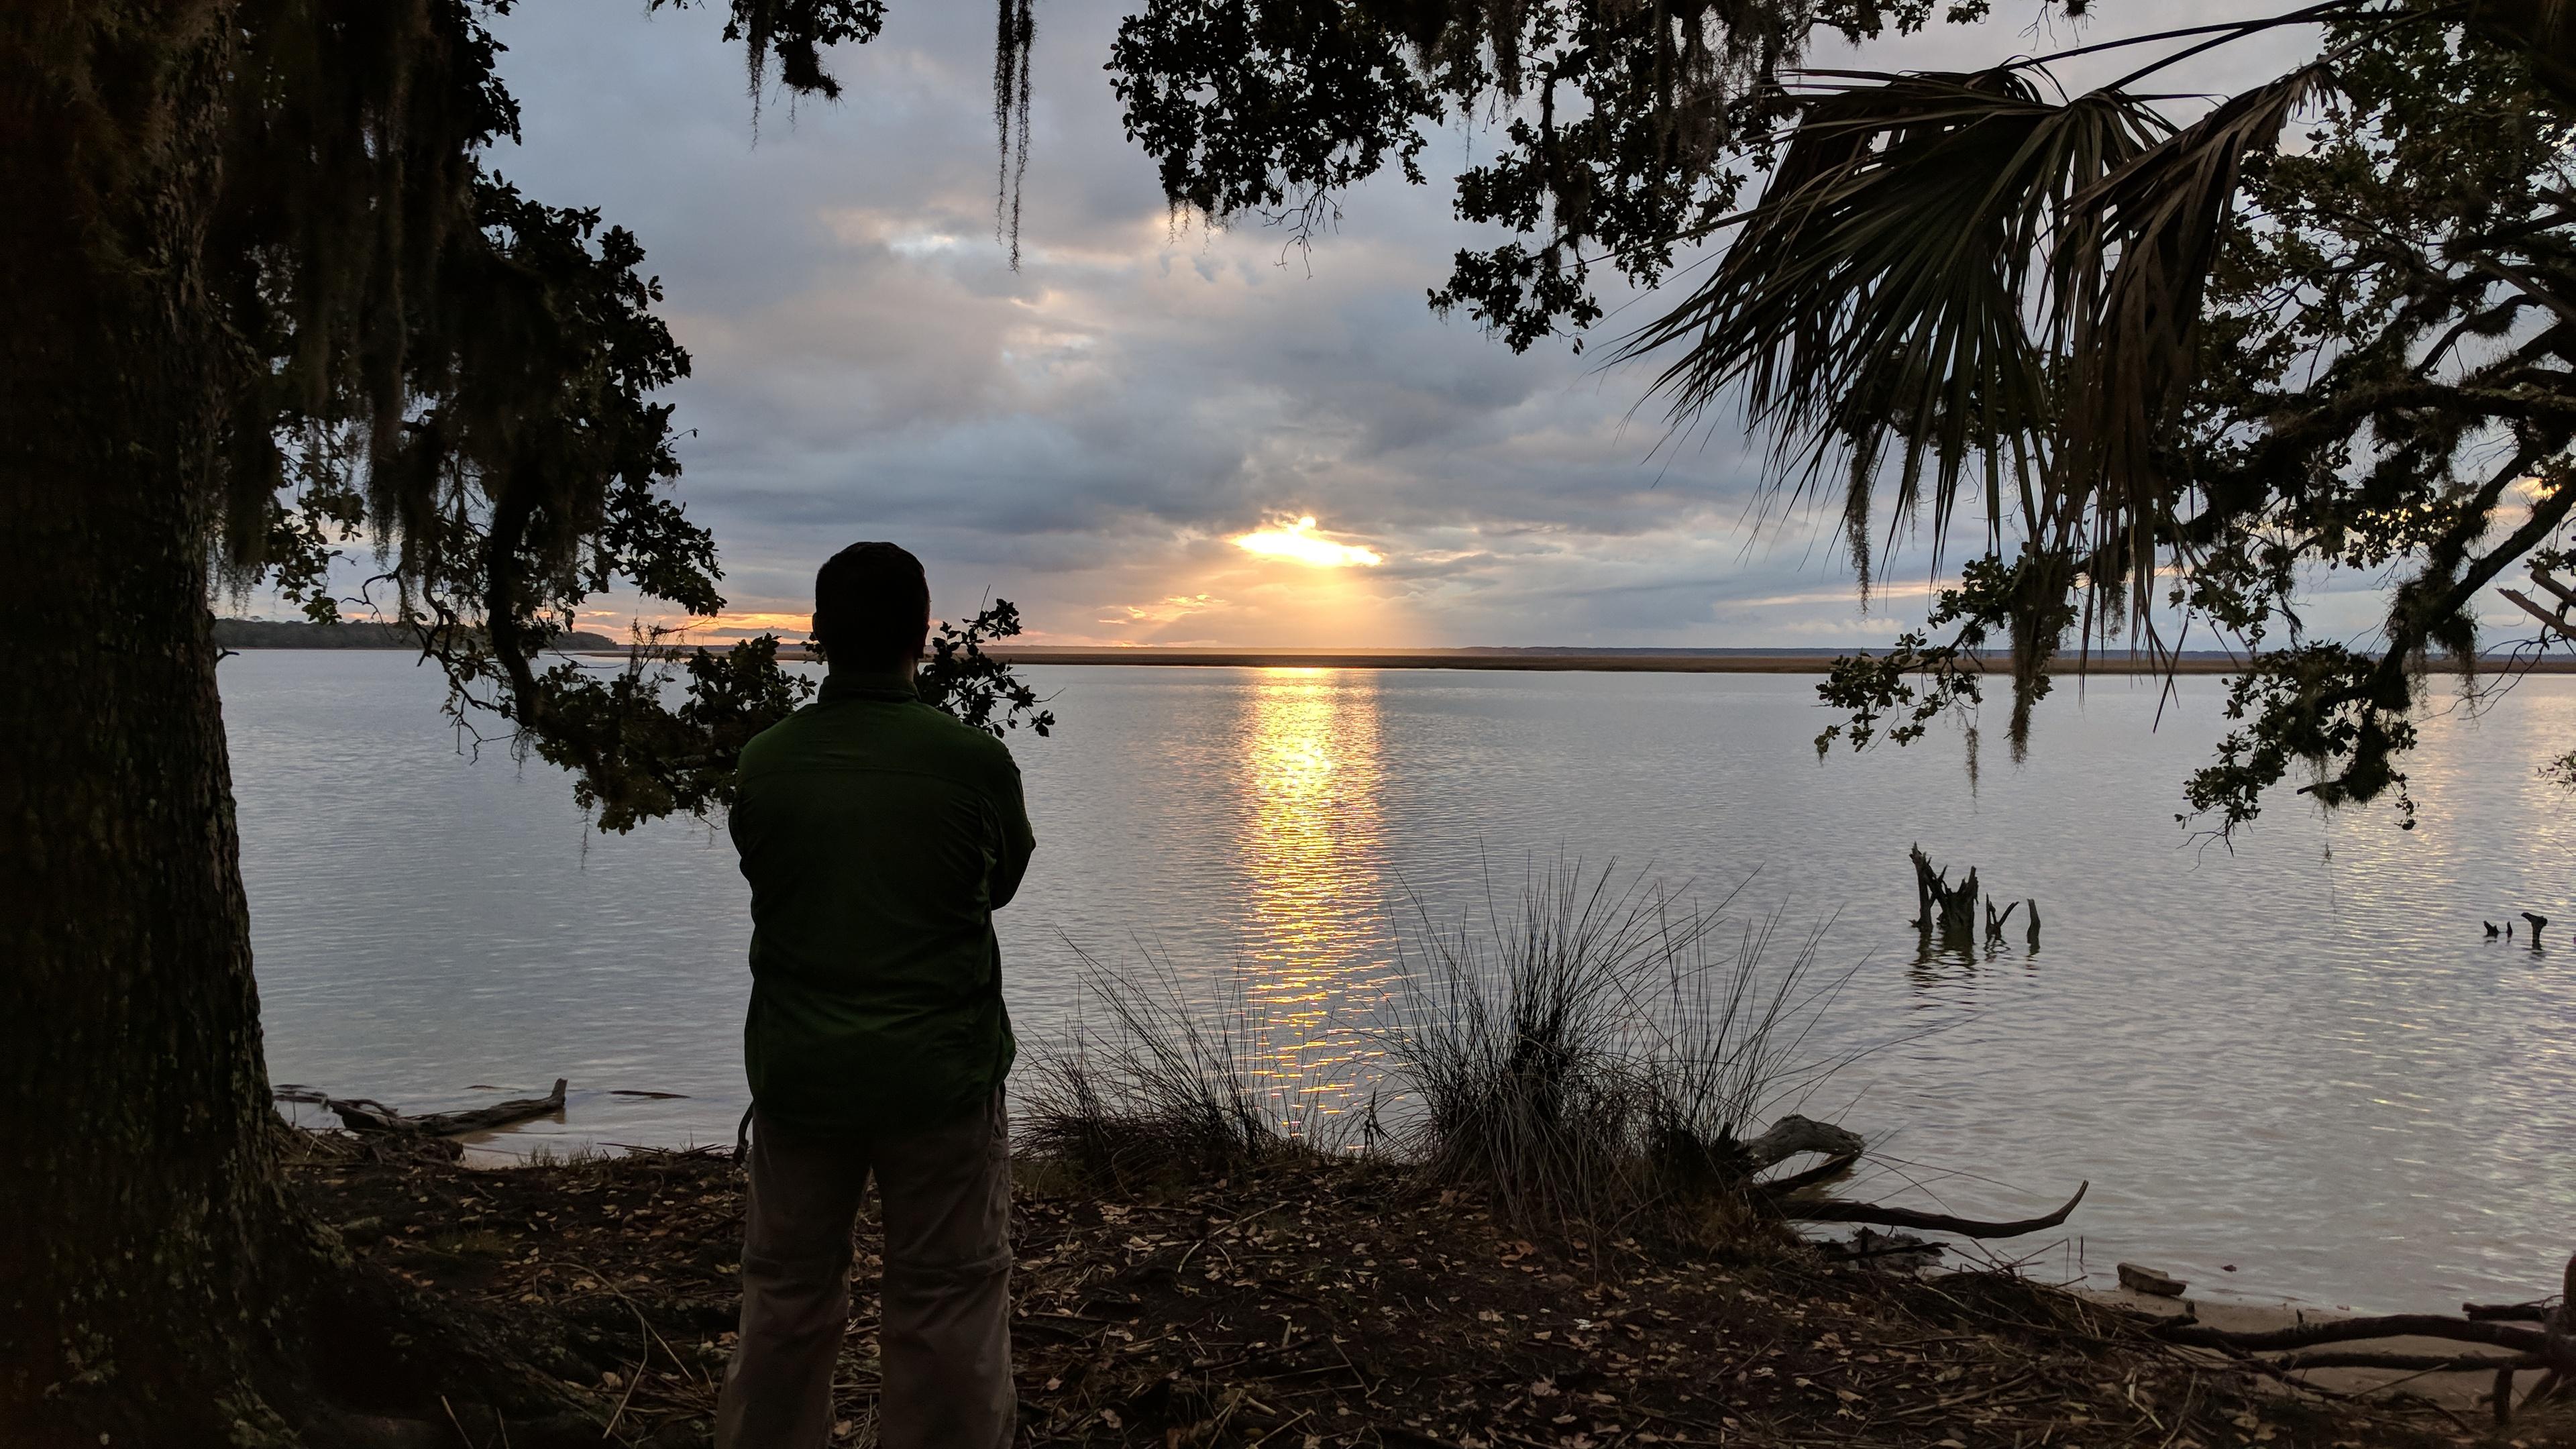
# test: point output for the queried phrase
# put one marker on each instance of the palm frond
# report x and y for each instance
(1878, 303)
(2131, 263)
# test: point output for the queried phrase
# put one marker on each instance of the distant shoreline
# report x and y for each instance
(1591, 661)
(1609, 661)
(240, 634)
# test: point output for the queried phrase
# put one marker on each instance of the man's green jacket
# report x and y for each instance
(878, 835)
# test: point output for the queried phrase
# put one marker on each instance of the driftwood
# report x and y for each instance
(2420, 1363)
(1835, 1210)
(2506, 1312)
(2534, 1335)
(2357, 1330)
(2139, 1278)
(361, 1114)
(1842, 1147)
(1794, 1134)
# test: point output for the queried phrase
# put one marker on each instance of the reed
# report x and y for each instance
(1597, 1051)
(1158, 1075)
(1594, 1051)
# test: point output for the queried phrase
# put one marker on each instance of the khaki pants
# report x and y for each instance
(945, 1334)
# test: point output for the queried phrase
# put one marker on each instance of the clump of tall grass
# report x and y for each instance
(1152, 1080)
(1597, 1051)
(1603, 1051)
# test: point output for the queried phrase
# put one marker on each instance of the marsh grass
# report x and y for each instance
(1595, 1050)
(1156, 1079)
(1599, 1048)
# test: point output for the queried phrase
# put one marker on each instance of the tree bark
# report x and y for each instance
(141, 1197)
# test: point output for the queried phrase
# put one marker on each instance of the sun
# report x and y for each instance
(1297, 543)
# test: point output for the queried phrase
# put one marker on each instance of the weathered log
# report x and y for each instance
(2420, 1363)
(2506, 1312)
(2356, 1330)
(2139, 1278)
(364, 1115)
(1836, 1210)
(1794, 1134)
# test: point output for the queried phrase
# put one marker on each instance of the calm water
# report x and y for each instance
(2301, 1058)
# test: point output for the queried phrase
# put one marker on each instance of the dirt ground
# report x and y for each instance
(1338, 1305)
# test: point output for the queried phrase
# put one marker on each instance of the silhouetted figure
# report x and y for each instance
(879, 835)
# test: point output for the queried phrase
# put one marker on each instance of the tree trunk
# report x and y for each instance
(141, 1198)
(157, 1284)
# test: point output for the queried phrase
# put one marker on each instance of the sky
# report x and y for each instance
(1092, 435)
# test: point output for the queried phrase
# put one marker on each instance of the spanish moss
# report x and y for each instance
(1015, 34)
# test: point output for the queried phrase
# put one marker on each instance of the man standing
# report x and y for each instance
(879, 835)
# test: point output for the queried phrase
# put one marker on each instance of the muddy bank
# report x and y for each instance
(1322, 1306)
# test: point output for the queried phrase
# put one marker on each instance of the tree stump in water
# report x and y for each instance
(1951, 908)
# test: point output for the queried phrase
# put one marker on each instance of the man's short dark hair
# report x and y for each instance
(871, 606)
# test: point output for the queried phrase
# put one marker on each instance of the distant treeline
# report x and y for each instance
(273, 634)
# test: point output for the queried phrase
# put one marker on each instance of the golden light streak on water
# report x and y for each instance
(1312, 849)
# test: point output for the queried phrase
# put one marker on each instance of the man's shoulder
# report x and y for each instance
(957, 742)
(910, 734)
(774, 744)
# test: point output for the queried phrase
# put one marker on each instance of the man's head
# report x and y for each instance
(871, 607)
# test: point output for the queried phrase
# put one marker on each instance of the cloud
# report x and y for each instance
(1086, 434)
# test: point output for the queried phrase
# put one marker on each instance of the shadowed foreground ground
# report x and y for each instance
(1314, 1306)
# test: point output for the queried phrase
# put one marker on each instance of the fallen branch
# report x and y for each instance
(2421, 1363)
(363, 1115)
(2356, 1330)
(1835, 1210)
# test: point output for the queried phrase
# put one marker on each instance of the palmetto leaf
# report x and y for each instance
(1881, 298)
(2131, 263)
(1950, 270)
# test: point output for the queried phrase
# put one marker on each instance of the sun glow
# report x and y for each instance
(1297, 542)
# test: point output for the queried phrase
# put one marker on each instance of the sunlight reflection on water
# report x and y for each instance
(1310, 851)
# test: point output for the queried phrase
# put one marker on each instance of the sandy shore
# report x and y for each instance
(2459, 1392)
